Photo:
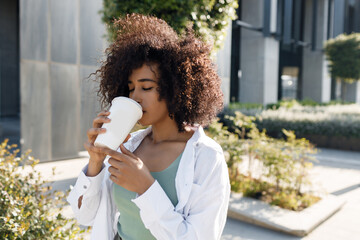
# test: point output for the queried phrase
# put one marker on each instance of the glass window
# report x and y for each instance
(289, 82)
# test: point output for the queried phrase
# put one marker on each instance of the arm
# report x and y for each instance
(207, 204)
(85, 196)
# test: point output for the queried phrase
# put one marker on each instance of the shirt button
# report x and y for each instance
(85, 187)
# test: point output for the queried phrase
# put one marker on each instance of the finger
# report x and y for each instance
(90, 147)
(100, 120)
(127, 152)
(103, 113)
(111, 153)
(113, 178)
(127, 138)
(115, 163)
(113, 171)
(92, 133)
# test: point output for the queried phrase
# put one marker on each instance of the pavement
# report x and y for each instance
(336, 172)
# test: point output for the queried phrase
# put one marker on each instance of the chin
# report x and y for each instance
(143, 123)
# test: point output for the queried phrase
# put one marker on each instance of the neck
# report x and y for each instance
(163, 132)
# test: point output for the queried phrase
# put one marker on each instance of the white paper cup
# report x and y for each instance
(124, 113)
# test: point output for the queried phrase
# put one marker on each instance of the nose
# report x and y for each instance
(135, 95)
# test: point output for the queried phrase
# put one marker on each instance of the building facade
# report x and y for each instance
(51, 50)
(278, 49)
(48, 49)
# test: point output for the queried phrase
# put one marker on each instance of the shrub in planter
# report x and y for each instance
(276, 169)
(253, 109)
(343, 53)
(335, 120)
(230, 143)
(333, 124)
(28, 209)
(322, 120)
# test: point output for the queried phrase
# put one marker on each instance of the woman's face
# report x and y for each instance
(143, 84)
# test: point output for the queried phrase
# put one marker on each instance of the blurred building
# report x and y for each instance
(277, 49)
(48, 48)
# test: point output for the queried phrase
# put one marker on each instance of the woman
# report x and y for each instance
(169, 181)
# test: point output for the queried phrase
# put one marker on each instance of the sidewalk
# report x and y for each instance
(336, 172)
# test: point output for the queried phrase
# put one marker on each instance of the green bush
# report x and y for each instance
(304, 118)
(343, 53)
(239, 105)
(210, 18)
(229, 142)
(28, 209)
(305, 102)
(333, 120)
(274, 170)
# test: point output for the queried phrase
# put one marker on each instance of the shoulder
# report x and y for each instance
(209, 153)
(136, 138)
(139, 132)
(208, 144)
(210, 162)
(207, 149)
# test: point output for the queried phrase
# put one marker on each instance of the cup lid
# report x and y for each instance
(126, 99)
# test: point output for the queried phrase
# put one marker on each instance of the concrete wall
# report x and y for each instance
(259, 58)
(316, 78)
(223, 61)
(352, 92)
(60, 43)
(339, 17)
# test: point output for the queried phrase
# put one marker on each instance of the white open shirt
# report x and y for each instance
(202, 186)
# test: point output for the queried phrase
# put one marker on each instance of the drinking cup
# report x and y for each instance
(124, 114)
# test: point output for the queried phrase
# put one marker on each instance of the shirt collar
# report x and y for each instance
(138, 136)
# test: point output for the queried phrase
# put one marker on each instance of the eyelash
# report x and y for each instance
(145, 89)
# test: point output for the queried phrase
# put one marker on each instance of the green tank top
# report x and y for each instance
(130, 225)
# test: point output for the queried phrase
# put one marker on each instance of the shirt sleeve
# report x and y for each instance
(208, 203)
(90, 189)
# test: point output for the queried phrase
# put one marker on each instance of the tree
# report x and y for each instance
(210, 18)
(343, 53)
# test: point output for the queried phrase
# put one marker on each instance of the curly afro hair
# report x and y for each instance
(188, 80)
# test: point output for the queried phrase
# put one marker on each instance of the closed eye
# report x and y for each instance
(145, 89)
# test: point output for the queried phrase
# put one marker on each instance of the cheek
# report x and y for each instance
(157, 109)
(162, 110)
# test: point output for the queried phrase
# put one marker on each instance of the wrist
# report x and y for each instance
(148, 184)
(94, 168)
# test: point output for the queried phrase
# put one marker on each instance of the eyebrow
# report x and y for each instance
(143, 80)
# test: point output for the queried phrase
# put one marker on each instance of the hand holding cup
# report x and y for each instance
(124, 113)
(92, 133)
